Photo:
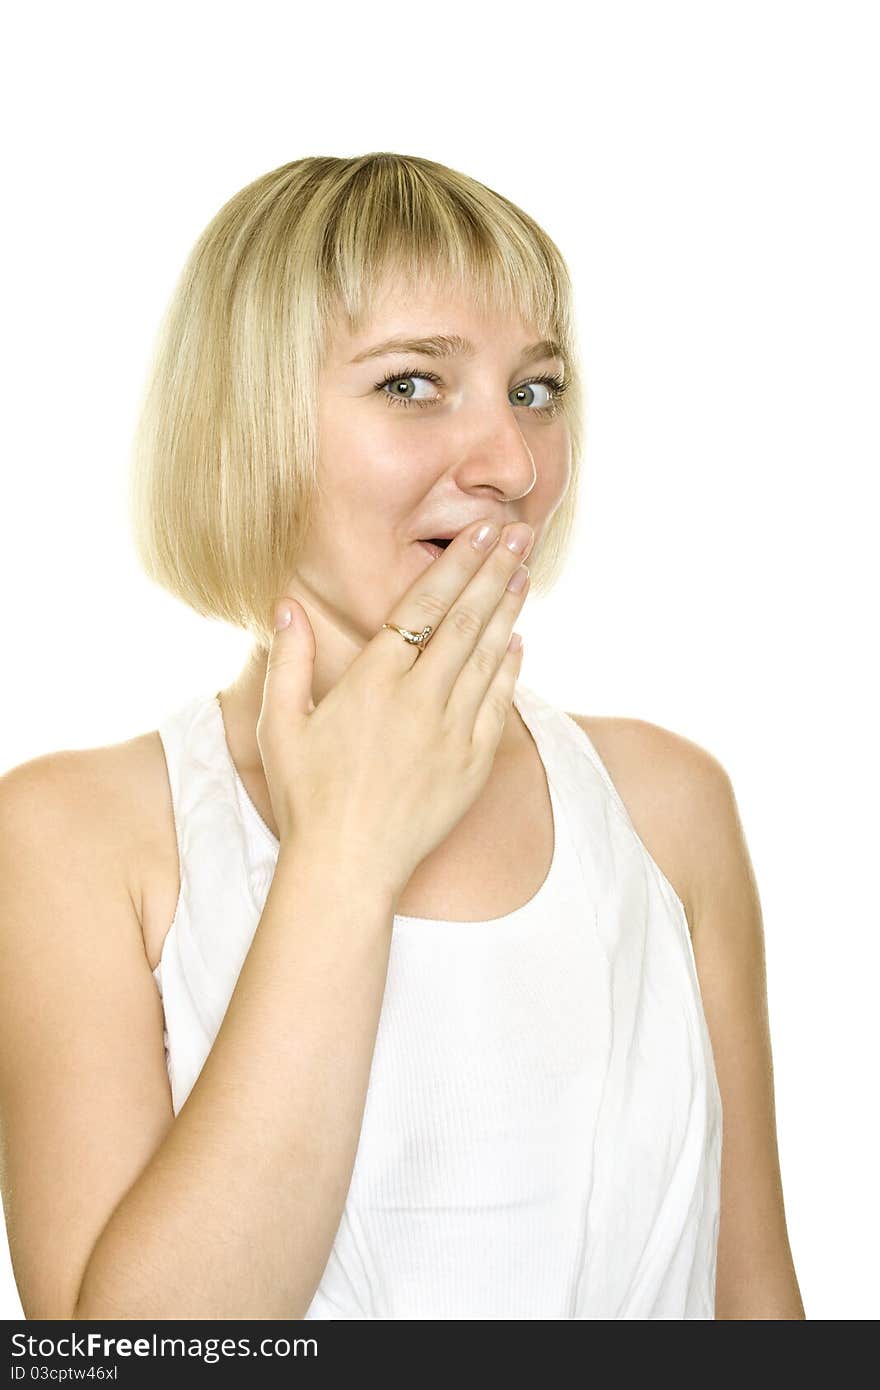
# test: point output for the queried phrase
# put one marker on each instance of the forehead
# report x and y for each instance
(428, 311)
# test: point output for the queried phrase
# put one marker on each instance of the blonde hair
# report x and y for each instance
(224, 474)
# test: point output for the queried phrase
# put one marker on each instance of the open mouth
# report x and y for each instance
(435, 547)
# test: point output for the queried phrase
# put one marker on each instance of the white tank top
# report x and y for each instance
(542, 1129)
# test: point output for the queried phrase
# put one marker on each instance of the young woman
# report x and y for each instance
(374, 985)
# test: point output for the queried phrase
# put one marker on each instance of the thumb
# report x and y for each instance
(291, 663)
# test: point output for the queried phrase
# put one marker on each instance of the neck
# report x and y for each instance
(242, 700)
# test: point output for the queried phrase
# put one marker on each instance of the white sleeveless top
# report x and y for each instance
(542, 1129)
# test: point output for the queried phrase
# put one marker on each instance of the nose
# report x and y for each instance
(498, 457)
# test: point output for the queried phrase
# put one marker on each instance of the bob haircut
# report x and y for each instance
(224, 468)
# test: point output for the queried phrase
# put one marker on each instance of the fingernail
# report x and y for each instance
(518, 537)
(283, 616)
(484, 537)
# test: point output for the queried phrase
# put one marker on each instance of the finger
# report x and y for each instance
(454, 641)
(427, 601)
(290, 667)
(496, 705)
(480, 669)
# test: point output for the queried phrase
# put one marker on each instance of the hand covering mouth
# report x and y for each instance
(441, 541)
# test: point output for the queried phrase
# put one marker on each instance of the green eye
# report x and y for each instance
(555, 385)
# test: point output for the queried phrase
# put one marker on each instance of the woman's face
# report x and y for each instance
(418, 457)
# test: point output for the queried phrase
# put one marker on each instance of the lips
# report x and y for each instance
(439, 540)
(432, 549)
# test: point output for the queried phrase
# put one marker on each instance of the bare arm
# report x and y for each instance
(114, 1207)
(756, 1273)
(236, 1213)
(117, 1208)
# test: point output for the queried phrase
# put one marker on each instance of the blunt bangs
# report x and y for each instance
(224, 475)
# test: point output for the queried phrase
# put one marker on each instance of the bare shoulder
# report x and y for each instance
(114, 800)
(84, 1088)
(677, 793)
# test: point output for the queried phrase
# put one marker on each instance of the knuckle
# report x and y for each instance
(429, 606)
(277, 661)
(466, 621)
(484, 660)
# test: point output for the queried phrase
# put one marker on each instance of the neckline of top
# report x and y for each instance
(526, 910)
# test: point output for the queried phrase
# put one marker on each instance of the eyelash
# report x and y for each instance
(555, 383)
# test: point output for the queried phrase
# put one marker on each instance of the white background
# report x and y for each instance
(709, 170)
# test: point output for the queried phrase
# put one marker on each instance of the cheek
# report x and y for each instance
(550, 488)
(381, 475)
(556, 474)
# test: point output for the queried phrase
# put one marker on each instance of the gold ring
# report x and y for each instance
(418, 639)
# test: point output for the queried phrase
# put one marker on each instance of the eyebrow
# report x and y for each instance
(452, 345)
